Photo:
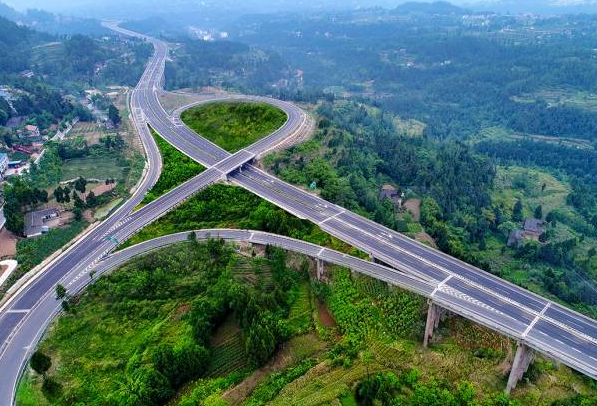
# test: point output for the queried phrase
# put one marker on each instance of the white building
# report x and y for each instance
(3, 164)
(2, 218)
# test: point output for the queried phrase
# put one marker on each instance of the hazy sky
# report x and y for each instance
(63, 5)
(136, 9)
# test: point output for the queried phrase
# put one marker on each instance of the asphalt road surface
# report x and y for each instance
(543, 325)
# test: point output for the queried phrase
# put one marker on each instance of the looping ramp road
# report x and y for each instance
(537, 322)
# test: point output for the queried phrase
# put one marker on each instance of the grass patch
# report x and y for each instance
(96, 167)
(229, 354)
(177, 168)
(234, 125)
(301, 310)
(32, 251)
(28, 393)
(533, 186)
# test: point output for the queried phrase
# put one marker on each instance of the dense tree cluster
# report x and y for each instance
(365, 150)
(197, 274)
(438, 69)
(203, 63)
(387, 389)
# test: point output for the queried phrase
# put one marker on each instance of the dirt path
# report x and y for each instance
(292, 352)
(425, 238)
(8, 244)
(324, 316)
(414, 207)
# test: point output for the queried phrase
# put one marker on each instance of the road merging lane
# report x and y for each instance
(558, 331)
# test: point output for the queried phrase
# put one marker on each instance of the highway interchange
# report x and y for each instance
(541, 324)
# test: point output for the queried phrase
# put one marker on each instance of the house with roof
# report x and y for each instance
(515, 238)
(533, 228)
(32, 131)
(39, 222)
(387, 191)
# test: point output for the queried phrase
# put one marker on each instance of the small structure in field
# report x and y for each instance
(39, 222)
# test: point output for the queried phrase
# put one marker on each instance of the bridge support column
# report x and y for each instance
(320, 269)
(434, 314)
(258, 250)
(523, 358)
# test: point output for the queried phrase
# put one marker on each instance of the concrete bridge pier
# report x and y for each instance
(522, 360)
(320, 269)
(434, 314)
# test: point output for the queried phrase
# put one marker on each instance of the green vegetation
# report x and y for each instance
(32, 251)
(176, 169)
(387, 389)
(202, 63)
(144, 320)
(105, 167)
(468, 206)
(363, 150)
(234, 125)
(148, 325)
(243, 210)
(461, 364)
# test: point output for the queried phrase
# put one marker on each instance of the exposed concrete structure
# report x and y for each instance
(320, 269)
(434, 315)
(523, 358)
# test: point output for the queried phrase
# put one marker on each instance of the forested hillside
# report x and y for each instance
(38, 70)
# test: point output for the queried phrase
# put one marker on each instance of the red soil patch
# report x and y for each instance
(8, 244)
(324, 316)
(414, 207)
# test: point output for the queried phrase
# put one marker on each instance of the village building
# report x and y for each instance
(3, 164)
(533, 228)
(515, 238)
(387, 192)
(39, 222)
(32, 131)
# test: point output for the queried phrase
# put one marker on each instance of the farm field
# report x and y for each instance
(95, 167)
(89, 132)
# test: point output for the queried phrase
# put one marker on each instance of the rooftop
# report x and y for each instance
(533, 225)
(36, 220)
(387, 192)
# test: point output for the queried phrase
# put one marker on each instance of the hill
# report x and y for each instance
(438, 7)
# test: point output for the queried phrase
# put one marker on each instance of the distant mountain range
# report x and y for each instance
(214, 12)
(436, 7)
(45, 21)
(535, 6)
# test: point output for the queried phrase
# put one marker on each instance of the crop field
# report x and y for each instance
(228, 347)
(90, 132)
(96, 167)
(301, 310)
